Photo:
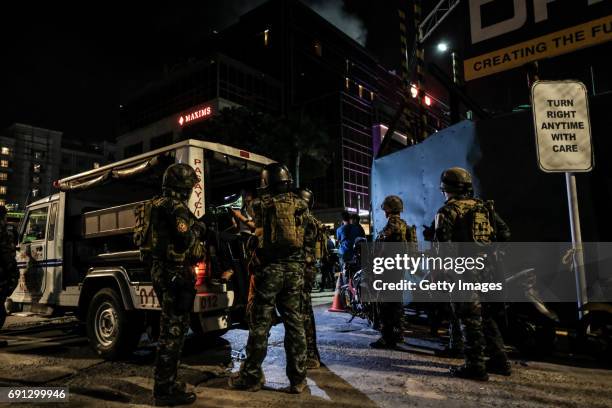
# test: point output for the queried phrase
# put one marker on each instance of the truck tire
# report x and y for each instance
(113, 332)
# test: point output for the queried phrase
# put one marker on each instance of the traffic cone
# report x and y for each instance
(337, 302)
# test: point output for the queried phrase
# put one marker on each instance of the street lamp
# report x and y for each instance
(443, 47)
(454, 102)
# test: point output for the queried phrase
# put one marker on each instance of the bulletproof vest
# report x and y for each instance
(283, 226)
(315, 242)
(161, 231)
(401, 231)
(474, 220)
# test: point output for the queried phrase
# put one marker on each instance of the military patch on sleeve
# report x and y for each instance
(182, 226)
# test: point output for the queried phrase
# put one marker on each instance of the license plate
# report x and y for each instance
(209, 302)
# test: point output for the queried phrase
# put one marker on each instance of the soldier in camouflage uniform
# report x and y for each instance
(479, 330)
(174, 245)
(312, 231)
(278, 216)
(9, 274)
(396, 230)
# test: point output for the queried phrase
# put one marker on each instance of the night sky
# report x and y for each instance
(67, 68)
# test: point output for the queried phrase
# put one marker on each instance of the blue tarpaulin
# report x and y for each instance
(414, 173)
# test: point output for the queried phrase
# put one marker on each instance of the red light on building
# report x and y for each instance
(195, 115)
(245, 154)
(427, 100)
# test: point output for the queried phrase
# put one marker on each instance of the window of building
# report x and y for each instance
(96, 165)
(3, 190)
(2, 202)
(4, 163)
(5, 150)
(3, 176)
(36, 179)
(347, 83)
(36, 168)
(361, 91)
(38, 155)
(266, 36)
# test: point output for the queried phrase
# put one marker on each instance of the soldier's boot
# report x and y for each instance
(238, 382)
(173, 395)
(297, 388)
(175, 399)
(381, 343)
(470, 373)
(499, 366)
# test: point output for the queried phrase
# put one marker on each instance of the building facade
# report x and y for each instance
(32, 158)
(29, 163)
(285, 59)
(170, 110)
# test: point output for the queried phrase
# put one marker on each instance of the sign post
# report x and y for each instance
(564, 145)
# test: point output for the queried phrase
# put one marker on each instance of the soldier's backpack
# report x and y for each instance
(476, 217)
(142, 229)
(283, 229)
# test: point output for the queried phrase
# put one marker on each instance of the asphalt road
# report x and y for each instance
(54, 353)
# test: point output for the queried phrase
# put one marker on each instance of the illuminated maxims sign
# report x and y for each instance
(200, 113)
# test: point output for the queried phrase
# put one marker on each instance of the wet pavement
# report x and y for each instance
(54, 353)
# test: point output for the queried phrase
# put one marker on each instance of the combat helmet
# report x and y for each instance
(456, 180)
(392, 204)
(179, 179)
(307, 196)
(275, 177)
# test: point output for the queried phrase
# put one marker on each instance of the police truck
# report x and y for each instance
(76, 253)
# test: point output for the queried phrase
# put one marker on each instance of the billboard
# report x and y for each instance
(506, 34)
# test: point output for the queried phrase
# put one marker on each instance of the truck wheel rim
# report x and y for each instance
(106, 324)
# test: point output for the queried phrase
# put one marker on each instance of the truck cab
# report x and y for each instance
(76, 253)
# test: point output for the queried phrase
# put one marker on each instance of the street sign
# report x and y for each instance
(563, 140)
(562, 126)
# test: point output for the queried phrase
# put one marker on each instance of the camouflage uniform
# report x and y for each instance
(173, 246)
(478, 327)
(278, 283)
(311, 234)
(9, 274)
(396, 230)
